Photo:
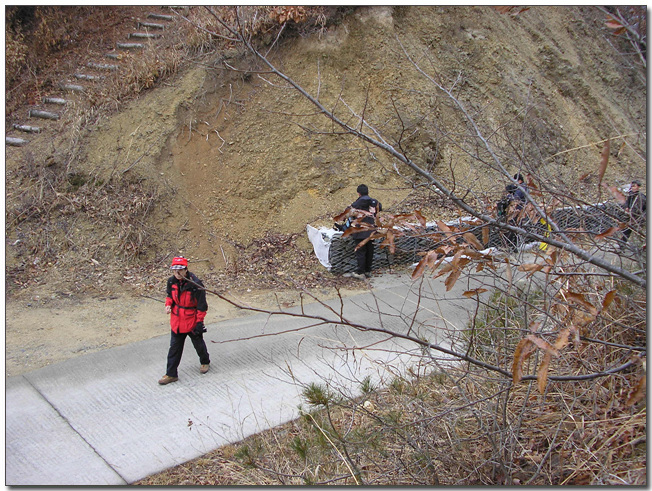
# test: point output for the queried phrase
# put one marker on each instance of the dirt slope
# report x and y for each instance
(222, 169)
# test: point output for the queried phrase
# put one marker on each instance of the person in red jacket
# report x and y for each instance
(186, 304)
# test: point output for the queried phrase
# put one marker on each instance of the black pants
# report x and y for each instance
(176, 350)
(626, 234)
(364, 256)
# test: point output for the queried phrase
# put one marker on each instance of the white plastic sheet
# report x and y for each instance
(321, 242)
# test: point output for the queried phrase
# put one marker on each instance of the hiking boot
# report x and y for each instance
(204, 368)
(358, 276)
(167, 380)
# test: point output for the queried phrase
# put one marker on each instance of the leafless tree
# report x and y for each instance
(630, 22)
(545, 318)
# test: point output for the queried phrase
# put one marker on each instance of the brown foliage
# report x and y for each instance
(284, 14)
(631, 19)
(511, 10)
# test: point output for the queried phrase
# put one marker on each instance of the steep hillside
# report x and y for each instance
(228, 167)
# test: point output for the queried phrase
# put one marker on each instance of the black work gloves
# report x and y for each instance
(198, 329)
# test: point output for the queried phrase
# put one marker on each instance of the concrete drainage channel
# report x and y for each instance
(52, 107)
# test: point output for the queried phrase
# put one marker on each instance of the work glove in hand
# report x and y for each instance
(198, 329)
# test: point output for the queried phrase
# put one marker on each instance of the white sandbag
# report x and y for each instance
(321, 243)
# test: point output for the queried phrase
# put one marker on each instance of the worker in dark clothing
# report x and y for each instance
(636, 208)
(506, 211)
(368, 208)
(519, 193)
(186, 303)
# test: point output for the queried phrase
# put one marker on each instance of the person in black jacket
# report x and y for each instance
(636, 208)
(364, 254)
(519, 192)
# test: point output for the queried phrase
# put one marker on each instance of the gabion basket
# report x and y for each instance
(593, 219)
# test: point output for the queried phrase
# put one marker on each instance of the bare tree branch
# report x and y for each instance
(566, 243)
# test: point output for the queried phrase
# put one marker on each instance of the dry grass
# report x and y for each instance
(53, 202)
(76, 224)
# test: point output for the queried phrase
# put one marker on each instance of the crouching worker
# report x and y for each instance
(186, 304)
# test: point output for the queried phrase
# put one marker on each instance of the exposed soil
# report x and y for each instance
(218, 166)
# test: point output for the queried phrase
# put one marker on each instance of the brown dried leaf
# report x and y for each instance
(503, 9)
(613, 23)
(342, 216)
(532, 188)
(420, 269)
(392, 244)
(452, 278)
(512, 10)
(542, 373)
(581, 319)
(622, 147)
(471, 254)
(562, 338)
(485, 235)
(389, 241)
(639, 392)
(559, 308)
(446, 268)
(448, 232)
(579, 299)
(471, 239)
(608, 298)
(607, 233)
(458, 258)
(615, 192)
(427, 260)
(523, 351)
(443, 227)
(365, 241)
(473, 293)
(543, 345)
(534, 326)
(530, 267)
(420, 218)
(349, 231)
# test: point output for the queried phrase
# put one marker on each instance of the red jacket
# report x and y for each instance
(188, 303)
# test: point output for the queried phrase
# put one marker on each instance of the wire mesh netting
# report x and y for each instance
(590, 219)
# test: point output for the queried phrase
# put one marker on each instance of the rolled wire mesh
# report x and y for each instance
(590, 219)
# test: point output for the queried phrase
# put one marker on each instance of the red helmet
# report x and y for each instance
(179, 263)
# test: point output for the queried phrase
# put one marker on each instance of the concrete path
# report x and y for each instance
(102, 419)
